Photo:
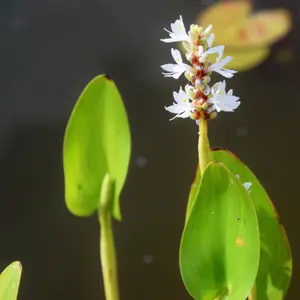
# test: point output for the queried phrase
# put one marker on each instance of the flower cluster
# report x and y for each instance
(199, 99)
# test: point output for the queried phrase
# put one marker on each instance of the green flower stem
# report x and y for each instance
(107, 247)
(203, 145)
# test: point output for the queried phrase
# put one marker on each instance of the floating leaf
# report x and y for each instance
(96, 142)
(247, 36)
(263, 29)
(10, 281)
(224, 14)
(275, 266)
(245, 60)
(220, 239)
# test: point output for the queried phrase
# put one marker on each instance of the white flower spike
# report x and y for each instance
(200, 99)
(178, 33)
(182, 106)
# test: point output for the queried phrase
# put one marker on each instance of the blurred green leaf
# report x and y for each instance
(275, 266)
(219, 251)
(96, 142)
(10, 281)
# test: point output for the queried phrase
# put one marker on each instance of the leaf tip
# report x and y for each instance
(108, 77)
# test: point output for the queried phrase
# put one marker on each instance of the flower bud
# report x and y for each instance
(205, 105)
(188, 76)
(186, 46)
(213, 115)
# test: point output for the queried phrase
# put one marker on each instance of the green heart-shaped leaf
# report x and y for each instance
(275, 266)
(10, 281)
(96, 142)
(219, 252)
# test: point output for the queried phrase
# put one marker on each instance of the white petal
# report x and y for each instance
(175, 109)
(176, 55)
(224, 72)
(182, 110)
(210, 40)
(169, 40)
(170, 67)
(178, 27)
(218, 49)
(178, 32)
(177, 75)
(225, 61)
(227, 103)
(173, 70)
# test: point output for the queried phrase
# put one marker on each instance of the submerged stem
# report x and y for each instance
(107, 247)
(203, 146)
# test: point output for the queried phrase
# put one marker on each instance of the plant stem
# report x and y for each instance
(203, 146)
(107, 247)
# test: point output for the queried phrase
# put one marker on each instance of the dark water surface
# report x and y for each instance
(49, 50)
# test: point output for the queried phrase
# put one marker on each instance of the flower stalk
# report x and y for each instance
(107, 247)
(203, 146)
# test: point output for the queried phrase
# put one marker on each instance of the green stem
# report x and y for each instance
(203, 145)
(107, 247)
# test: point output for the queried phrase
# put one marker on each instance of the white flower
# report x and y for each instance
(178, 32)
(218, 66)
(175, 70)
(182, 106)
(221, 100)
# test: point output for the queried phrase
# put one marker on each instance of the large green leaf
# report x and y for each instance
(10, 281)
(219, 252)
(96, 142)
(275, 267)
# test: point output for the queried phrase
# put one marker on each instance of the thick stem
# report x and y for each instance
(203, 145)
(107, 247)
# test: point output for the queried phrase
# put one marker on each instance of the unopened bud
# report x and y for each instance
(198, 82)
(206, 79)
(186, 46)
(206, 90)
(207, 31)
(194, 37)
(213, 114)
(205, 105)
(189, 56)
(203, 58)
(188, 76)
(190, 94)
